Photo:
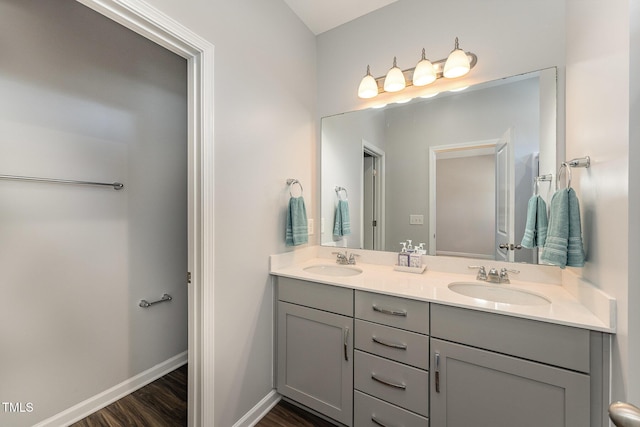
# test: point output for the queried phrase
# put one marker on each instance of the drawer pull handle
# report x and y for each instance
(346, 344)
(388, 383)
(437, 371)
(376, 421)
(391, 311)
(389, 344)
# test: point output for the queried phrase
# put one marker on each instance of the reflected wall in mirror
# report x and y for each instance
(454, 171)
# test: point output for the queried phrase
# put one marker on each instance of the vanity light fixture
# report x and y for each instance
(394, 81)
(425, 73)
(457, 64)
(368, 87)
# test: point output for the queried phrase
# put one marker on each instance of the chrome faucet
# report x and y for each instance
(345, 258)
(493, 276)
(504, 275)
(482, 273)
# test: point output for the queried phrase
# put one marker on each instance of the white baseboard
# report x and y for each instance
(99, 401)
(261, 409)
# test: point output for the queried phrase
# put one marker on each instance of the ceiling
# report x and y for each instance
(323, 15)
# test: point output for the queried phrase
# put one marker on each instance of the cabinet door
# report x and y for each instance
(472, 387)
(315, 360)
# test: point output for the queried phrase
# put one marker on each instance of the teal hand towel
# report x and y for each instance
(563, 246)
(296, 228)
(342, 223)
(575, 250)
(535, 232)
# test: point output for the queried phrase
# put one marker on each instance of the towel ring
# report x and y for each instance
(339, 189)
(536, 181)
(290, 182)
(567, 169)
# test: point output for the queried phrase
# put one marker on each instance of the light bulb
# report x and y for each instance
(424, 73)
(368, 86)
(457, 63)
(394, 81)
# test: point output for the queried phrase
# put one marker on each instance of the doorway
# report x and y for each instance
(199, 54)
(199, 200)
(373, 196)
(462, 199)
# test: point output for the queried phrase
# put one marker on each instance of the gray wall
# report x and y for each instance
(342, 139)
(602, 123)
(511, 37)
(265, 109)
(466, 208)
(84, 99)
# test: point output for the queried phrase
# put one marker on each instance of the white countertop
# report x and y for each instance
(573, 301)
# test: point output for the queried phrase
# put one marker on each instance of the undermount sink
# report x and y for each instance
(498, 293)
(333, 270)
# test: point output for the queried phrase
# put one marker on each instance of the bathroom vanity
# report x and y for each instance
(377, 347)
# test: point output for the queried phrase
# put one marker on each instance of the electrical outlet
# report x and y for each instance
(416, 219)
(310, 226)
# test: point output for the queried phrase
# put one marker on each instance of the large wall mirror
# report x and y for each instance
(454, 171)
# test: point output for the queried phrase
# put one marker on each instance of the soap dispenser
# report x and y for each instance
(415, 259)
(403, 256)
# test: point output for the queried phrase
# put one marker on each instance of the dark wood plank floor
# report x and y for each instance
(284, 414)
(163, 403)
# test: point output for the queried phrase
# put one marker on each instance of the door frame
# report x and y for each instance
(379, 154)
(164, 31)
(465, 149)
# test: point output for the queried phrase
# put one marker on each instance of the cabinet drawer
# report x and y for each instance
(393, 382)
(397, 344)
(372, 412)
(316, 295)
(399, 312)
(548, 343)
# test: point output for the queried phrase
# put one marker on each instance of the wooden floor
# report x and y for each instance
(284, 414)
(163, 403)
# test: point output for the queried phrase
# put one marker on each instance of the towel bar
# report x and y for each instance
(290, 183)
(339, 189)
(581, 162)
(145, 304)
(536, 182)
(115, 185)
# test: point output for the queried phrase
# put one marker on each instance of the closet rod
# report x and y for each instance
(115, 185)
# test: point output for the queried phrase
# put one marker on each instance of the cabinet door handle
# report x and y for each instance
(376, 421)
(388, 383)
(437, 371)
(389, 344)
(346, 344)
(391, 311)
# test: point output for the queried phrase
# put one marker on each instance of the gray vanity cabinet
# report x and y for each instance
(315, 347)
(391, 377)
(366, 359)
(490, 370)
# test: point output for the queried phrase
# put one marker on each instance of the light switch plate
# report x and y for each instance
(416, 219)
